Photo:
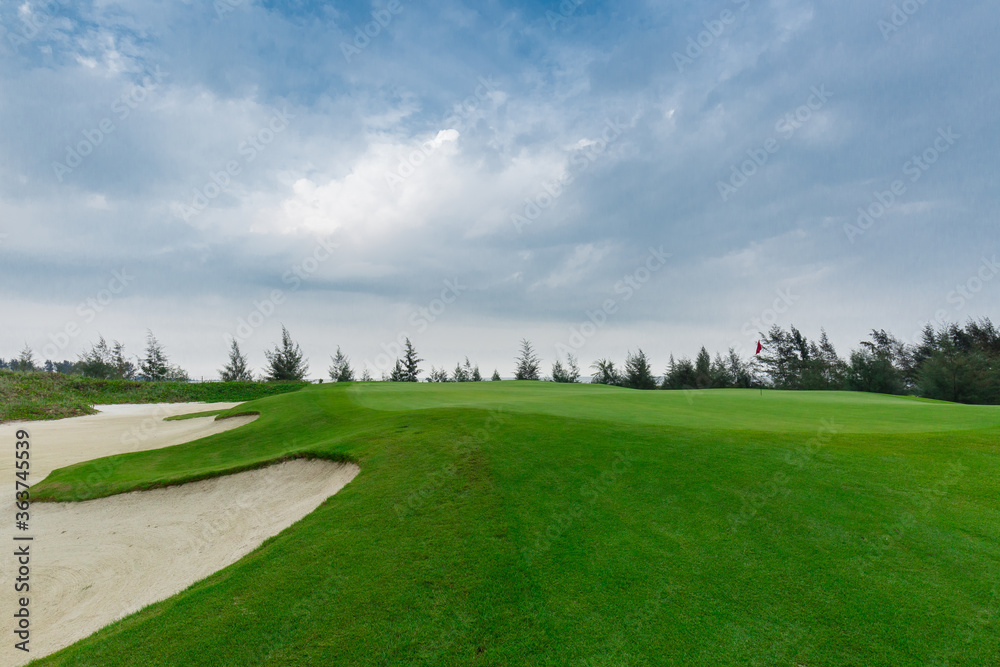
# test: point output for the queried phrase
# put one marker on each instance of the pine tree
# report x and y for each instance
(638, 373)
(570, 372)
(26, 360)
(496, 376)
(438, 375)
(471, 374)
(410, 363)
(123, 368)
(286, 362)
(236, 370)
(558, 372)
(96, 363)
(680, 375)
(527, 362)
(155, 366)
(340, 368)
(703, 369)
(398, 373)
(572, 369)
(366, 376)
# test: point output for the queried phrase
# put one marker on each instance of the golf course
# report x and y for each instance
(532, 523)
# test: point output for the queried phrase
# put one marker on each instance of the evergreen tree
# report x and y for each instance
(123, 368)
(96, 363)
(566, 373)
(528, 362)
(461, 374)
(558, 372)
(572, 368)
(236, 369)
(741, 373)
(155, 366)
(286, 362)
(719, 375)
(398, 373)
(833, 368)
(638, 372)
(26, 360)
(703, 369)
(340, 368)
(176, 374)
(366, 376)
(476, 375)
(410, 363)
(680, 375)
(496, 376)
(438, 375)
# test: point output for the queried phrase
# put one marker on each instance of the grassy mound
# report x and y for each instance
(32, 396)
(530, 523)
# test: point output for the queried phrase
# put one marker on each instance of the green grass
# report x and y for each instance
(536, 524)
(33, 396)
(194, 415)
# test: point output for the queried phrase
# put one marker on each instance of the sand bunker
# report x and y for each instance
(96, 561)
(117, 429)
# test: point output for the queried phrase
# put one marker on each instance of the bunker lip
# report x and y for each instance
(101, 560)
(115, 429)
(96, 561)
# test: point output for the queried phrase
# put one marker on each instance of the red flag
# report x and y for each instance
(759, 348)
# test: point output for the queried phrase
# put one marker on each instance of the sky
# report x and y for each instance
(596, 177)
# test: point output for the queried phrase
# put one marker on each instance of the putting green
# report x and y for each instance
(742, 409)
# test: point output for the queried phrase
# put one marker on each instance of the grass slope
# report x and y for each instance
(32, 396)
(529, 523)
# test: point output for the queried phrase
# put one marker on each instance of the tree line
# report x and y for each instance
(952, 363)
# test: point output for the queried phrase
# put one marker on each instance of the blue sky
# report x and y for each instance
(596, 177)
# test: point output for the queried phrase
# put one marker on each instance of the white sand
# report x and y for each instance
(97, 561)
(117, 429)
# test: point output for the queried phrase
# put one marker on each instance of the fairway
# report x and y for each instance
(527, 523)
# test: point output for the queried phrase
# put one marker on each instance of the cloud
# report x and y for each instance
(458, 120)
